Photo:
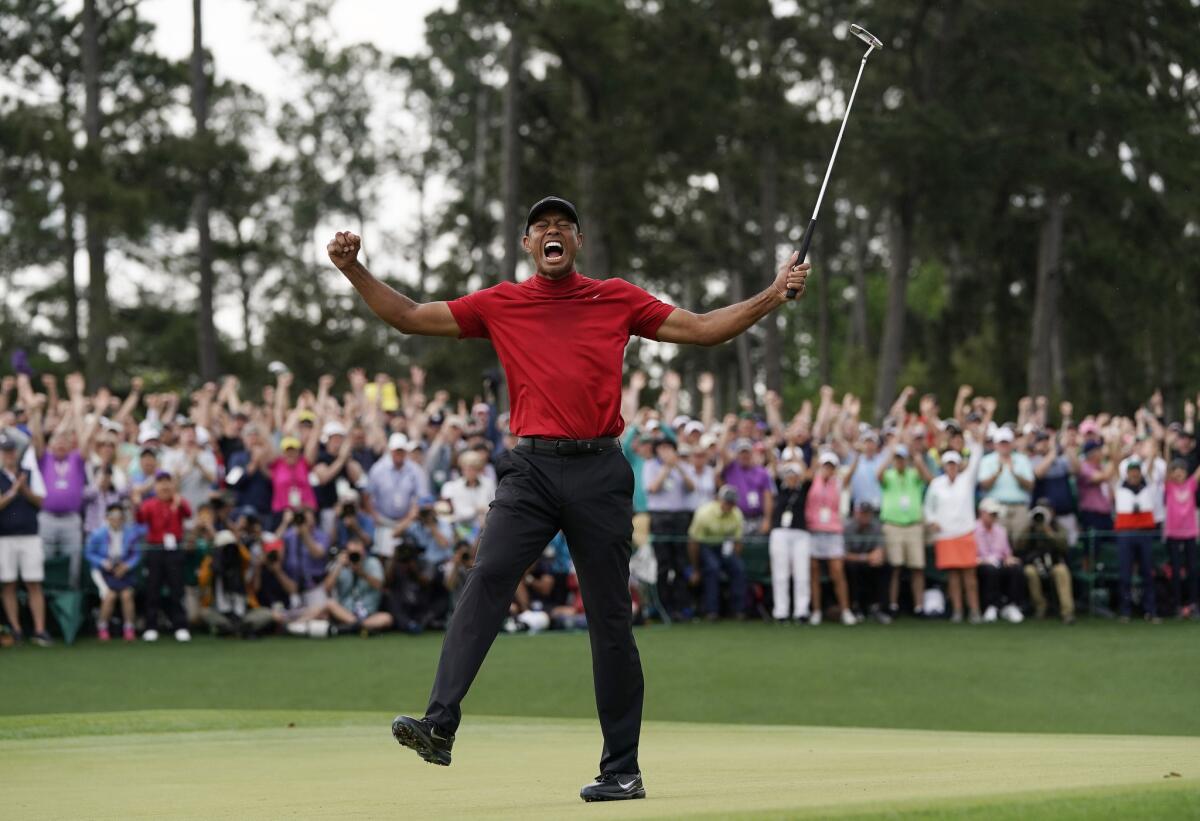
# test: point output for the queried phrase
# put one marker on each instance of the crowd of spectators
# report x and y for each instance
(308, 513)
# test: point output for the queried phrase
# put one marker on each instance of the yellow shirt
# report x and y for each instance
(711, 525)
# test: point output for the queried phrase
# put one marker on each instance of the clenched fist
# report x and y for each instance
(343, 249)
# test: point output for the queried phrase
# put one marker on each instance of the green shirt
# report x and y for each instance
(355, 593)
(711, 525)
(902, 494)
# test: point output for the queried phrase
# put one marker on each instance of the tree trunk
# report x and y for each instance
(769, 198)
(70, 289)
(891, 349)
(737, 287)
(742, 341)
(824, 287)
(206, 333)
(1045, 306)
(99, 309)
(860, 335)
(591, 207)
(479, 186)
(512, 158)
(245, 281)
(69, 239)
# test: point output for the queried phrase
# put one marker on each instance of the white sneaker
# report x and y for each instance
(1012, 614)
(815, 618)
(848, 618)
(182, 634)
(150, 635)
(989, 615)
(298, 628)
(318, 629)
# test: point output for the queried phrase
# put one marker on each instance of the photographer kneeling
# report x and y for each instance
(224, 579)
(409, 580)
(354, 585)
(1042, 548)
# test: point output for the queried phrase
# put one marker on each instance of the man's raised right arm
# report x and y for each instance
(397, 310)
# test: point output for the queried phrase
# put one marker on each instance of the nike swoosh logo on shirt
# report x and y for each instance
(627, 786)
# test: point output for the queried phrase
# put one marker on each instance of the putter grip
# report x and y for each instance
(804, 243)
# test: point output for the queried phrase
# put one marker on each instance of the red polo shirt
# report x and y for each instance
(562, 345)
(162, 518)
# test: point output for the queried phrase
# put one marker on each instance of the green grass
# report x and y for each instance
(1097, 677)
(345, 764)
(921, 720)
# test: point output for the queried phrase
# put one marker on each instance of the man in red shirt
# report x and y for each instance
(561, 338)
(164, 514)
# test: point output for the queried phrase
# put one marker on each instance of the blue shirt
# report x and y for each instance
(365, 524)
(394, 489)
(864, 483)
(672, 494)
(434, 554)
(300, 565)
(253, 489)
(1006, 490)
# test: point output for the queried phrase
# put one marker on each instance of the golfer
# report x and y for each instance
(561, 338)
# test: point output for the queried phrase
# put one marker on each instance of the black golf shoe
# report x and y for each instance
(614, 787)
(422, 735)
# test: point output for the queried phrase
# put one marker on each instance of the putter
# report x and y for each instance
(873, 43)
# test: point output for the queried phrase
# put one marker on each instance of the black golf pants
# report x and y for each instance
(589, 498)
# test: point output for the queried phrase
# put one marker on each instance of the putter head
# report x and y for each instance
(866, 36)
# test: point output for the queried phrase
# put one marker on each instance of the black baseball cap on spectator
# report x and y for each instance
(728, 493)
(551, 203)
(1088, 447)
(437, 418)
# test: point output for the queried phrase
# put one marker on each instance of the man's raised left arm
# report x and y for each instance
(723, 324)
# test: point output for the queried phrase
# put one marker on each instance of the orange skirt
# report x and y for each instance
(956, 554)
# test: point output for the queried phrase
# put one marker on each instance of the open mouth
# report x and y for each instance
(553, 250)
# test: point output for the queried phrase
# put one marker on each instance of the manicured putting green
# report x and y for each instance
(342, 765)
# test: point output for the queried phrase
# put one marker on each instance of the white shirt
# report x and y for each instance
(951, 505)
(706, 485)
(469, 502)
(1155, 473)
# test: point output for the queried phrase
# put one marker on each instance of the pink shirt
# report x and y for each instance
(1181, 510)
(992, 543)
(290, 483)
(821, 508)
(1092, 497)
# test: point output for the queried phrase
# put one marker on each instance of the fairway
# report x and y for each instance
(1058, 722)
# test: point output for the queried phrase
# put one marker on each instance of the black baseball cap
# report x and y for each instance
(548, 204)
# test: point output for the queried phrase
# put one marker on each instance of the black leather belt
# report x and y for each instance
(567, 447)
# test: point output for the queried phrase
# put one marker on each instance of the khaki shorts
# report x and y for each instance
(905, 545)
(21, 556)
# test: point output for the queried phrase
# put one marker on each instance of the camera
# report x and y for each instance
(273, 556)
(408, 551)
(1041, 516)
(355, 556)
